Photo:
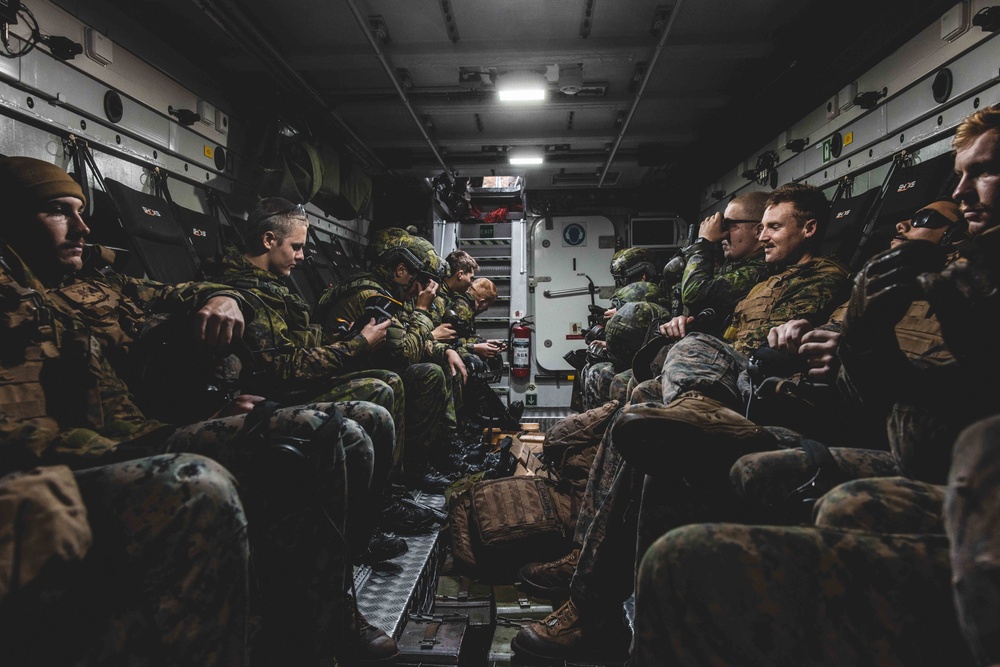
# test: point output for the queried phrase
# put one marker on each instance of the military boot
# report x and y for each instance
(565, 634)
(672, 438)
(365, 644)
(551, 579)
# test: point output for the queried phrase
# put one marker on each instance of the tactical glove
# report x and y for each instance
(966, 300)
(883, 291)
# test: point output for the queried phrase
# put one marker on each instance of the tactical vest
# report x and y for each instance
(115, 319)
(39, 346)
(755, 309)
(918, 334)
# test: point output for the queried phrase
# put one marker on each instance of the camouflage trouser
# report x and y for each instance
(970, 517)
(381, 387)
(775, 483)
(620, 383)
(647, 391)
(724, 594)
(430, 411)
(701, 362)
(297, 515)
(368, 468)
(597, 383)
(165, 581)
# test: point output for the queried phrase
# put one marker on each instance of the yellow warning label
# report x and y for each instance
(848, 138)
(209, 152)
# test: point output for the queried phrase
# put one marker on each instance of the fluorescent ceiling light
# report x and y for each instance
(527, 159)
(522, 87)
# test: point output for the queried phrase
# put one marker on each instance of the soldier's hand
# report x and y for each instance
(818, 349)
(609, 313)
(426, 296)
(885, 288)
(711, 228)
(787, 337)
(487, 349)
(220, 321)
(444, 333)
(375, 333)
(241, 405)
(456, 365)
(676, 328)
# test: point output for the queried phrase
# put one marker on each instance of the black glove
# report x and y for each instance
(965, 297)
(884, 289)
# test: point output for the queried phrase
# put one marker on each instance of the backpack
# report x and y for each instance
(498, 525)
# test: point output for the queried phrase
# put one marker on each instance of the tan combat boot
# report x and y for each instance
(364, 643)
(692, 431)
(567, 635)
(550, 579)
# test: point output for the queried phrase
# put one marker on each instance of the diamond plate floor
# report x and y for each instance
(404, 584)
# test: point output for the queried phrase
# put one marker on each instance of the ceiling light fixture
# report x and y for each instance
(522, 87)
(527, 155)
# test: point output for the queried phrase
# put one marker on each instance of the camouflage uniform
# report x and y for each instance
(703, 363)
(409, 350)
(65, 405)
(707, 284)
(163, 582)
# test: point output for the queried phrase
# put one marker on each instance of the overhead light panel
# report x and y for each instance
(522, 87)
(526, 156)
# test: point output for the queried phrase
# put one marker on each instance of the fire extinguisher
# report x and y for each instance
(520, 348)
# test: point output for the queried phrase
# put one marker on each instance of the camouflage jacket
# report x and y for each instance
(810, 291)
(408, 339)
(60, 400)
(117, 307)
(462, 317)
(708, 284)
(291, 351)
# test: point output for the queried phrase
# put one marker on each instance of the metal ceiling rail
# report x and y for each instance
(235, 23)
(642, 87)
(391, 73)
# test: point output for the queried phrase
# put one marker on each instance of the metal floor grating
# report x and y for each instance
(404, 584)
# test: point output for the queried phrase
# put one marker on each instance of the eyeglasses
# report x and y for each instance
(727, 223)
(929, 218)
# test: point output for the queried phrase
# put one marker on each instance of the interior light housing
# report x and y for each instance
(527, 159)
(522, 87)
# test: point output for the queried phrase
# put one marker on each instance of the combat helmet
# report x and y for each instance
(639, 291)
(626, 332)
(391, 246)
(629, 263)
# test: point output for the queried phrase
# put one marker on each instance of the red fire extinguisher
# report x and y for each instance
(520, 349)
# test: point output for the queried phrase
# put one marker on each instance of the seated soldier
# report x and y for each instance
(777, 479)
(144, 561)
(877, 562)
(462, 269)
(66, 405)
(404, 267)
(296, 361)
(634, 274)
(709, 290)
(699, 378)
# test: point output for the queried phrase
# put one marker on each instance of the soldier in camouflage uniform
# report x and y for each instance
(878, 545)
(404, 267)
(699, 379)
(144, 561)
(63, 403)
(764, 479)
(633, 273)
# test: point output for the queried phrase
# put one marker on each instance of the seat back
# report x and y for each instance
(160, 248)
(203, 230)
(847, 220)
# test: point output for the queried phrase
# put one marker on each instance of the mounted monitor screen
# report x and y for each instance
(657, 232)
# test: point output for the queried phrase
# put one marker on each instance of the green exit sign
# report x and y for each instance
(827, 151)
(485, 231)
(531, 399)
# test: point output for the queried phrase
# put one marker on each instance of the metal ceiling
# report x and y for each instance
(414, 86)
